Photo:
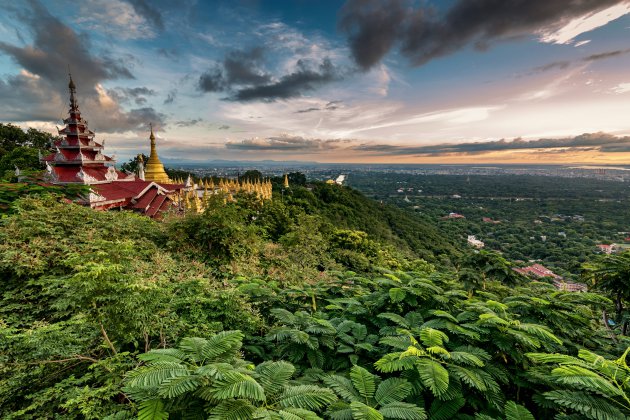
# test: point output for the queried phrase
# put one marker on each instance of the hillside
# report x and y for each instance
(313, 305)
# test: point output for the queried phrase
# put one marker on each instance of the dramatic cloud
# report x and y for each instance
(287, 143)
(128, 95)
(151, 14)
(423, 34)
(243, 76)
(596, 141)
(40, 89)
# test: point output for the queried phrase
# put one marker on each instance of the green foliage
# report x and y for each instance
(112, 315)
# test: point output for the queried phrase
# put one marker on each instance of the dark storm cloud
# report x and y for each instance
(287, 143)
(304, 78)
(591, 141)
(561, 65)
(147, 11)
(39, 92)
(304, 111)
(243, 77)
(375, 27)
(55, 46)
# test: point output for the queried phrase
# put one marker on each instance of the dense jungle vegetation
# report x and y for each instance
(319, 304)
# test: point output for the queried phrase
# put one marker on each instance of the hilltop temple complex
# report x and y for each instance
(79, 159)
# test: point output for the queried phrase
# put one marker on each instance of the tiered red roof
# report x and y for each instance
(78, 159)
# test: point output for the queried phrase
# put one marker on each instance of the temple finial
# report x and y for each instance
(73, 89)
(152, 136)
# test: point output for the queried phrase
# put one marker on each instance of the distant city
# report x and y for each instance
(324, 171)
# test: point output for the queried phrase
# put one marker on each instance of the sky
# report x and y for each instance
(398, 81)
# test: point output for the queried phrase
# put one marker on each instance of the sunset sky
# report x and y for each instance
(427, 81)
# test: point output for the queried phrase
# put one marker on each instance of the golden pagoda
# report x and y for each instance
(154, 169)
(286, 181)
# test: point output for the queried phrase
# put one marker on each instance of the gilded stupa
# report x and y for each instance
(154, 169)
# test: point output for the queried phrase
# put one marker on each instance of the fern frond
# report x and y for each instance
(237, 385)
(222, 345)
(361, 411)
(342, 386)
(363, 381)
(392, 390)
(469, 377)
(515, 411)
(193, 347)
(154, 374)
(178, 385)
(432, 337)
(433, 376)
(393, 362)
(403, 411)
(443, 314)
(339, 411)
(590, 406)
(274, 376)
(298, 414)
(232, 410)
(163, 355)
(400, 342)
(152, 410)
(445, 410)
(395, 318)
(308, 397)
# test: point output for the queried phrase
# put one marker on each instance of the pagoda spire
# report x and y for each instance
(154, 169)
(73, 90)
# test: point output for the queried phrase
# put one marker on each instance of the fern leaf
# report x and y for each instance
(515, 411)
(342, 386)
(222, 345)
(178, 385)
(466, 358)
(590, 406)
(443, 314)
(392, 390)
(298, 414)
(193, 347)
(431, 337)
(154, 374)
(339, 411)
(396, 294)
(237, 385)
(152, 410)
(433, 376)
(308, 397)
(400, 342)
(403, 411)
(232, 410)
(469, 377)
(395, 318)
(445, 410)
(363, 381)
(163, 355)
(274, 376)
(582, 378)
(394, 362)
(361, 411)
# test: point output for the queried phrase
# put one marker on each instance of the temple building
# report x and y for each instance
(79, 159)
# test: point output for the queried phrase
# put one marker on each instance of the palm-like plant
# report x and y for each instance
(365, 397)
(611, 273)
(590, 385)
(208, 376)
(302, 336)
